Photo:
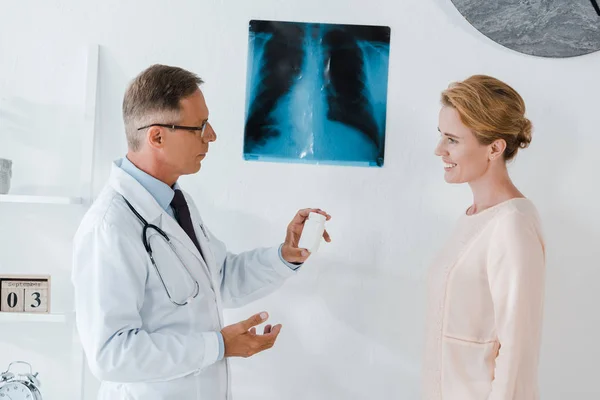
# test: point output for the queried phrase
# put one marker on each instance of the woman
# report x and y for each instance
(486, 287)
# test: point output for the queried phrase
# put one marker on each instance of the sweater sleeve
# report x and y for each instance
(516, 273)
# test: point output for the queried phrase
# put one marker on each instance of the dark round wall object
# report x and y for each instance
(545, 28)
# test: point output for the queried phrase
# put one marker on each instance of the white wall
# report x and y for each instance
(353, 318)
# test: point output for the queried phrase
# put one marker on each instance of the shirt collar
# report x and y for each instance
(162, 193)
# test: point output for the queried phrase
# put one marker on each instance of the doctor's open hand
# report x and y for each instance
(241, 339)
(290, 251)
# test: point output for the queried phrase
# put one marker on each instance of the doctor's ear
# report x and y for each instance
(155, 137)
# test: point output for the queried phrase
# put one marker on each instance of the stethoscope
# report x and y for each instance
(149, 251)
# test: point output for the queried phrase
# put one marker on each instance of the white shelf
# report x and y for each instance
(32, 317)
(15, 198)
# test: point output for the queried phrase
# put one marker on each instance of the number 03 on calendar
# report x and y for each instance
(30, 294)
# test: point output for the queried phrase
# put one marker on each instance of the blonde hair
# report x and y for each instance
(492, 110)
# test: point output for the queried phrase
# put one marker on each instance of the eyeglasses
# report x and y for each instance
(201, 128)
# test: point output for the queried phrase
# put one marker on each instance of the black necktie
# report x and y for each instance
(182, 215)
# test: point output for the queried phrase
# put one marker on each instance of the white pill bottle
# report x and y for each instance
(312, 233)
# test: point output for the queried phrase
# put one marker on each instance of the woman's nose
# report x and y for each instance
(439, 149)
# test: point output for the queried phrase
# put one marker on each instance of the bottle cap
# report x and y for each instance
(317, 217)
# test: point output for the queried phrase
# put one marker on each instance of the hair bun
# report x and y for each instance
(524, 138)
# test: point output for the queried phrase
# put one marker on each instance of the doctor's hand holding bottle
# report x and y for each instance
(290, 251)
(241, 339)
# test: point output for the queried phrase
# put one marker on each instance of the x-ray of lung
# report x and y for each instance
(316, 93)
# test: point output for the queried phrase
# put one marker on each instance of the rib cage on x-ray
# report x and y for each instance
(304, 78)
(346, 91)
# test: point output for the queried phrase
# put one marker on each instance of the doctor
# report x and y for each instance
(150, 279)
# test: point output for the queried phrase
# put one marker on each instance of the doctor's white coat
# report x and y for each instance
(139, 344)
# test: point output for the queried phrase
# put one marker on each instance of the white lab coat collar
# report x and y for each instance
(147, 206)
(135, 193)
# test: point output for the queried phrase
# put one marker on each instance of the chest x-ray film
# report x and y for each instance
(316, 93)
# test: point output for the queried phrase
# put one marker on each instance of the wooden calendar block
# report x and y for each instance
(12, 298)
(25, 294)
(36, 300)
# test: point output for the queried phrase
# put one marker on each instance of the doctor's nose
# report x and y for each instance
(209, 134)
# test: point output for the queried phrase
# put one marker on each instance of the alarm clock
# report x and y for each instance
(15, 386)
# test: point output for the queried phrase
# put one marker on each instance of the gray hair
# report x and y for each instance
(154, 97)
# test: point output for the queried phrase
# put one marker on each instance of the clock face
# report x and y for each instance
(15, 391)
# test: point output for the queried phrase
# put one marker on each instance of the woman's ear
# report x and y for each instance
(497, 149)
